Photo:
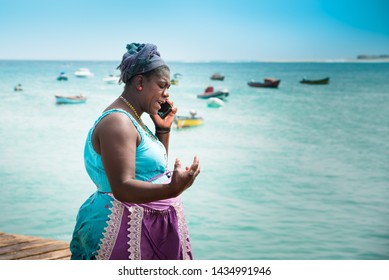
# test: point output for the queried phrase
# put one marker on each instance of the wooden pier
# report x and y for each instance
(21, 247)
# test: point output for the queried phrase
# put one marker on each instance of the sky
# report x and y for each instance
(194, 30)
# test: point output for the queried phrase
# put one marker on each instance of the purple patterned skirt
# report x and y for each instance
(150, 231)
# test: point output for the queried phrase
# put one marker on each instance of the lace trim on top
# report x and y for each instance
(110, 231)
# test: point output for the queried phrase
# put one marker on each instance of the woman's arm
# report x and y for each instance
(115, 138)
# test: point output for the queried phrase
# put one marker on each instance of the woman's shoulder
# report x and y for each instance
(115, 127)
(115, 118)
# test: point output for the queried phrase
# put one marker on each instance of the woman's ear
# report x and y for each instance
(139, 82)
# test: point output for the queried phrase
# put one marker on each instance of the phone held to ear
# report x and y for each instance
(165, 110)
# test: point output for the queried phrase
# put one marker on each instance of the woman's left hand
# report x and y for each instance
(168, 120)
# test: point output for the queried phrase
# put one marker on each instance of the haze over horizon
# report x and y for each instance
(244, 30)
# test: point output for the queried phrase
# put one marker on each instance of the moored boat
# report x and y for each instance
(188, 121)
(210, 92)
(174, 81)
(62, 77)
(215, 102)
(217, 77)
(324, 81)
(111, 79)
(83, 73)
(267, 82)
(18, 87)
(76, 99)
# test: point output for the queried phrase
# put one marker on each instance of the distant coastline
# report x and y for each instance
(373, 57)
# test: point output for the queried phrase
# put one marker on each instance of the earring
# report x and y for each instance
(140, 88)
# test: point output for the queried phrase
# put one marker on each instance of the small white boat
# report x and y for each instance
(83, 73)
(111, 79)
(61, 99)
(215, 102)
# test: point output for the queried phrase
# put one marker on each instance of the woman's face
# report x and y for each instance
(156, 91)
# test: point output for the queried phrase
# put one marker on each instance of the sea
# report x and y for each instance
(299, 172)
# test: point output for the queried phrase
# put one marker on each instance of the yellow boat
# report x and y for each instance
(174, 82)
(188, 121)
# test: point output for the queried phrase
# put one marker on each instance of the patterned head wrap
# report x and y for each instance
(139, 59)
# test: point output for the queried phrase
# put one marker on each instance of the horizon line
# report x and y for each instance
(214, 61)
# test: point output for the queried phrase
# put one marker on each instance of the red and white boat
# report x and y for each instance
(210, 92)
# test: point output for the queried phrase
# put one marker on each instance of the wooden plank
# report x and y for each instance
(33, 252)
(7, 239)
(26, 245)
(63, 254)
(14, 247)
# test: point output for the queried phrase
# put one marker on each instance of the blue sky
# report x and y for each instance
(194, 30)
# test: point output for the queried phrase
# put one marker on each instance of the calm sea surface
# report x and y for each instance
(298, 172)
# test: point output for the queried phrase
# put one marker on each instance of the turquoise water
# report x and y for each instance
(298, 172)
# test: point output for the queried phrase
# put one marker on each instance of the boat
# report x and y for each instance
(61, 99)
(188, 121)
(217, 77)
(174, 81)
(83, 73)
(215, 102)
(18, 87)
(111, 79)
(62, 77)
(324, 81)
(210, 92)
(267, 82)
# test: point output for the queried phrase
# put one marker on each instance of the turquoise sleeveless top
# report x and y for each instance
(151, 158)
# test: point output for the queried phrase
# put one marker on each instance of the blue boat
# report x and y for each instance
(77, 99)
(62, 77)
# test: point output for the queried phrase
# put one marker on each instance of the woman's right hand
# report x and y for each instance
(183, 179)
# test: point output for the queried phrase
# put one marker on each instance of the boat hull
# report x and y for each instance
(174, 82)
(217, 77)
(70, 99)
(218, 94)
(266, 84)
(181, 121)
(215, 102)
(324, 81)
(83, 73)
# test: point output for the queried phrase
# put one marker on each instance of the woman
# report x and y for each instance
(136, 212)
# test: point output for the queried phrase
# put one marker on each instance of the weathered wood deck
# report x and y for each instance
(20, 247)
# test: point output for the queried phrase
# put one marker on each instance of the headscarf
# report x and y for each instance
(139, 59)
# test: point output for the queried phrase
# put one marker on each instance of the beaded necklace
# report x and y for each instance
(145, 128)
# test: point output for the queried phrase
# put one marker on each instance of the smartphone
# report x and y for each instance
(165, 110)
